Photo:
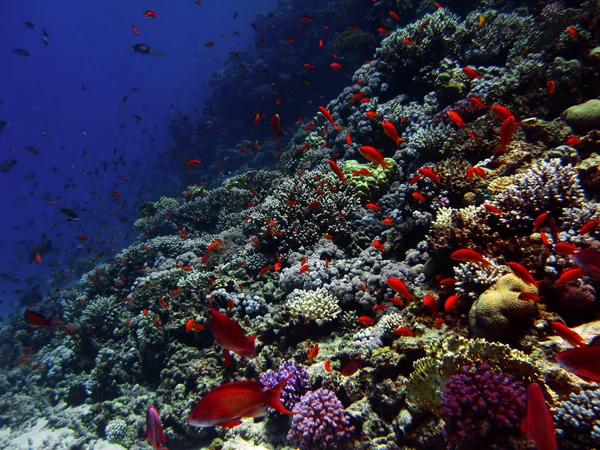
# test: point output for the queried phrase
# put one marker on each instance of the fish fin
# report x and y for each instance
(259, 411)
(230, 423)
(594, 342)
(273, 397)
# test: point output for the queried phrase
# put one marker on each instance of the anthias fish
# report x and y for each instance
(230, 335)
(225, 405)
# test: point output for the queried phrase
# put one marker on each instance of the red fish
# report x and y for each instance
(328, 115)
(565, 248)
(372, 115)
(428, 173)
(530, 296)
(451, 304)
(572, 337)
(589, 261)
(456, 119)
(509, 126)
(388, 221)
(492, 208)
(313, 352)
(335, 66)
(366, 320)
(418, 196)
(363, 172)
(501, 112)
(135, 30)
(431, 302)
(582, 361)
(390, 131)
(468, 255)
(399, 287)
(327, 366)
(276, 126)
(539, 424)
(403, 331)
(589, 226)
(448, 282)
(209, 44)
(38, 258)
(523, 273)
(336, 169)
(192, 163)
(230, 335)
(192, 326)
(150, 14)
(471, 73)
(395, 16)
(154, 431)
(373, 155)
(373, 207)
(227, 359)
(351, 368)
(306, 19)
(36, 320)
(226, 404)
(570, 276)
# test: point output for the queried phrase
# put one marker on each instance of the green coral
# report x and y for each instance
(166, 204)
(374, 185)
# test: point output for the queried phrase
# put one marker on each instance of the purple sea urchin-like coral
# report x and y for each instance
(296, 386)
(320, 421)
(477, 401)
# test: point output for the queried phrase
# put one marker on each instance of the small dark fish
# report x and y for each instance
(3, 125)
(125, 99)
(141, 48)
(7, 164)
(46, 41)
(2, 103)
(135, 89)
(235, 14)
(45, 33)
(84, 87)
(68, 213)
(29, 26)
(20, 52)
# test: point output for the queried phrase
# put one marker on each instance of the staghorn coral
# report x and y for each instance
(490, 314)
(579, 416)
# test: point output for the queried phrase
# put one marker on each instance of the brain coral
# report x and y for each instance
(489, 314)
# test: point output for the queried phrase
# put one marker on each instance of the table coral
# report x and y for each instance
(490, 314)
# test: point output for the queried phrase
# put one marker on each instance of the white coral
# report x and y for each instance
(318, 305)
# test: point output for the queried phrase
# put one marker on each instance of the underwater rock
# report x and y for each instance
(584, 117)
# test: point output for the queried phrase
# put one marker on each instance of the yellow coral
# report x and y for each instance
(489, 314)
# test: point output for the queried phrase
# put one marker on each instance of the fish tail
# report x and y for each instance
(274, 400)
(384, 163)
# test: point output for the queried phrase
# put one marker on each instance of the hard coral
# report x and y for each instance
(296, 385)
(489, 315)
(320, 421)
(477, 402)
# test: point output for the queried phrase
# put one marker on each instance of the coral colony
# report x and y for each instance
(415, 268)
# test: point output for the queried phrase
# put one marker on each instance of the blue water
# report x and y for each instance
(66, 98)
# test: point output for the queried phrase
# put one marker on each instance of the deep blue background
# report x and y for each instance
(92, 44)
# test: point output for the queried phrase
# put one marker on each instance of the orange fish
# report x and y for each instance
(570, 276)
(351, 368)
(468, 255)
(313, 352)
(230, 335)
(565, 248)
(568, 335)
(335, 66)
(328, 115)
(451, 304)
(492, 208)
(372, 115)
(38, 258)
(501, 112)
(363, 172)
(539, 424)
(388, 221)
(509, 126)
(418, 196)
(455, 118)
(327, 366)
(227, 403)
(448, 282)
(150, 14)
(373, 207)
(135, 30)
(192, 326)
(395, 16)
(404, 331)
(336, 169)
(304, 268)
(400, 288)
(276, 126)
(523, 273)
(192, 163)
(373, 155)
(529, 296)
(589, 226)
(378, 245)
(428, 173)
(582, 361)
(366, 320)
(390, 131)
(431, 302)
(471, 73)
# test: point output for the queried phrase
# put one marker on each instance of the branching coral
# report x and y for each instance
(319, 305)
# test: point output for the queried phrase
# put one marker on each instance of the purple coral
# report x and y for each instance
(320, 421)
(476, 401)
(296, 386)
